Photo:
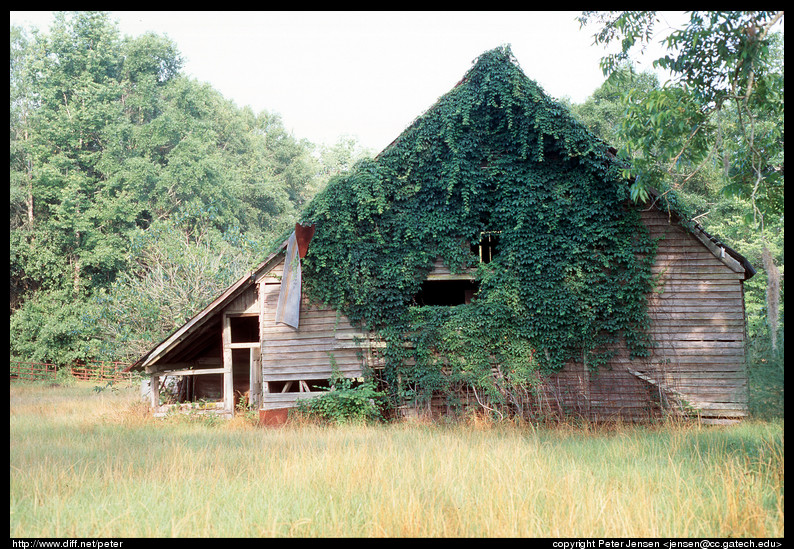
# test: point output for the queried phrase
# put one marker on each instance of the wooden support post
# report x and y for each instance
(154, 391)
(255, 386)
(228, 377)
(263, 385)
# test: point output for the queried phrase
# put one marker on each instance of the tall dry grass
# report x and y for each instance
(88, 464)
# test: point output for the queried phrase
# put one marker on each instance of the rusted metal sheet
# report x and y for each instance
(304, 235)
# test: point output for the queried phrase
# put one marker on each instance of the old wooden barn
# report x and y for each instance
(265, 341)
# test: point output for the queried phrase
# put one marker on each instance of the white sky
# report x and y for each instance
(361, 74)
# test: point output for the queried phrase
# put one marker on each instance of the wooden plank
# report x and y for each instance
(318, 309)
(698, 296)
(678, 344)
(296, 364)
(312, 318)
(310, 311)
(701, 351)
(439, 276)
(666, 361)
(699, 312)
(702, 290)
(322, 375)
(705, 333)
(726, 380)
(691, 269)
(720, 288)
(154, 391)
(273, 401)
(288, 353)
(732, 298)
(260, 289)
(255, 389)
(192, 372)
(663, 320)
(170, 366)
(246, 345)
(677, 369)
(228, 375)
(710, 407)
(286, 335)
(681, 306)
(309, 354)
(307, 325)
(271, 364)
(313, 344)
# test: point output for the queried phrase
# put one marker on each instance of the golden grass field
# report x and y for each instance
(95, 464)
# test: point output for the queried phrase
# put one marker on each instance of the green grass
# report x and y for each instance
(87, 464)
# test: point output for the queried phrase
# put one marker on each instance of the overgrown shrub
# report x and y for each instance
(348, 400)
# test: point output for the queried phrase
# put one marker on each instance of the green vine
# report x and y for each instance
(572, 266)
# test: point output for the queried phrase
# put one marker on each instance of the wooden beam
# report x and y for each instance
(154, 391)
(246, 345)
(228, 378)
(192, 372)
(450, 276)
(255, 385)
(719, 252)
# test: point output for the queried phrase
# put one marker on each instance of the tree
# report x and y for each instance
(722, 108)
(342, 155)
(718, 59)
(109, 139)
(604, 110)
(176, 271)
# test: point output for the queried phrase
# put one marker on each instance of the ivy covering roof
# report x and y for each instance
(572, 268)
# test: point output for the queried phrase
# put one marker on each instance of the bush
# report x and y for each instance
(349, 400)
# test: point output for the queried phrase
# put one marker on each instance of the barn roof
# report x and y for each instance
(195, 328)
(721, 251)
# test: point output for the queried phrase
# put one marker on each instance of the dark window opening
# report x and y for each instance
(486, 248)
(298, 386)
(446, 292)
(283, 386)
(245, 329)
(203, 387)
(318, 384)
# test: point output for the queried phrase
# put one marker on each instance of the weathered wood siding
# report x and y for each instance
(697, 321)
(245, 303)
(324, 338)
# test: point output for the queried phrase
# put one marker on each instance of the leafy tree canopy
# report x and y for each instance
(718, 60)
(108, 141)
